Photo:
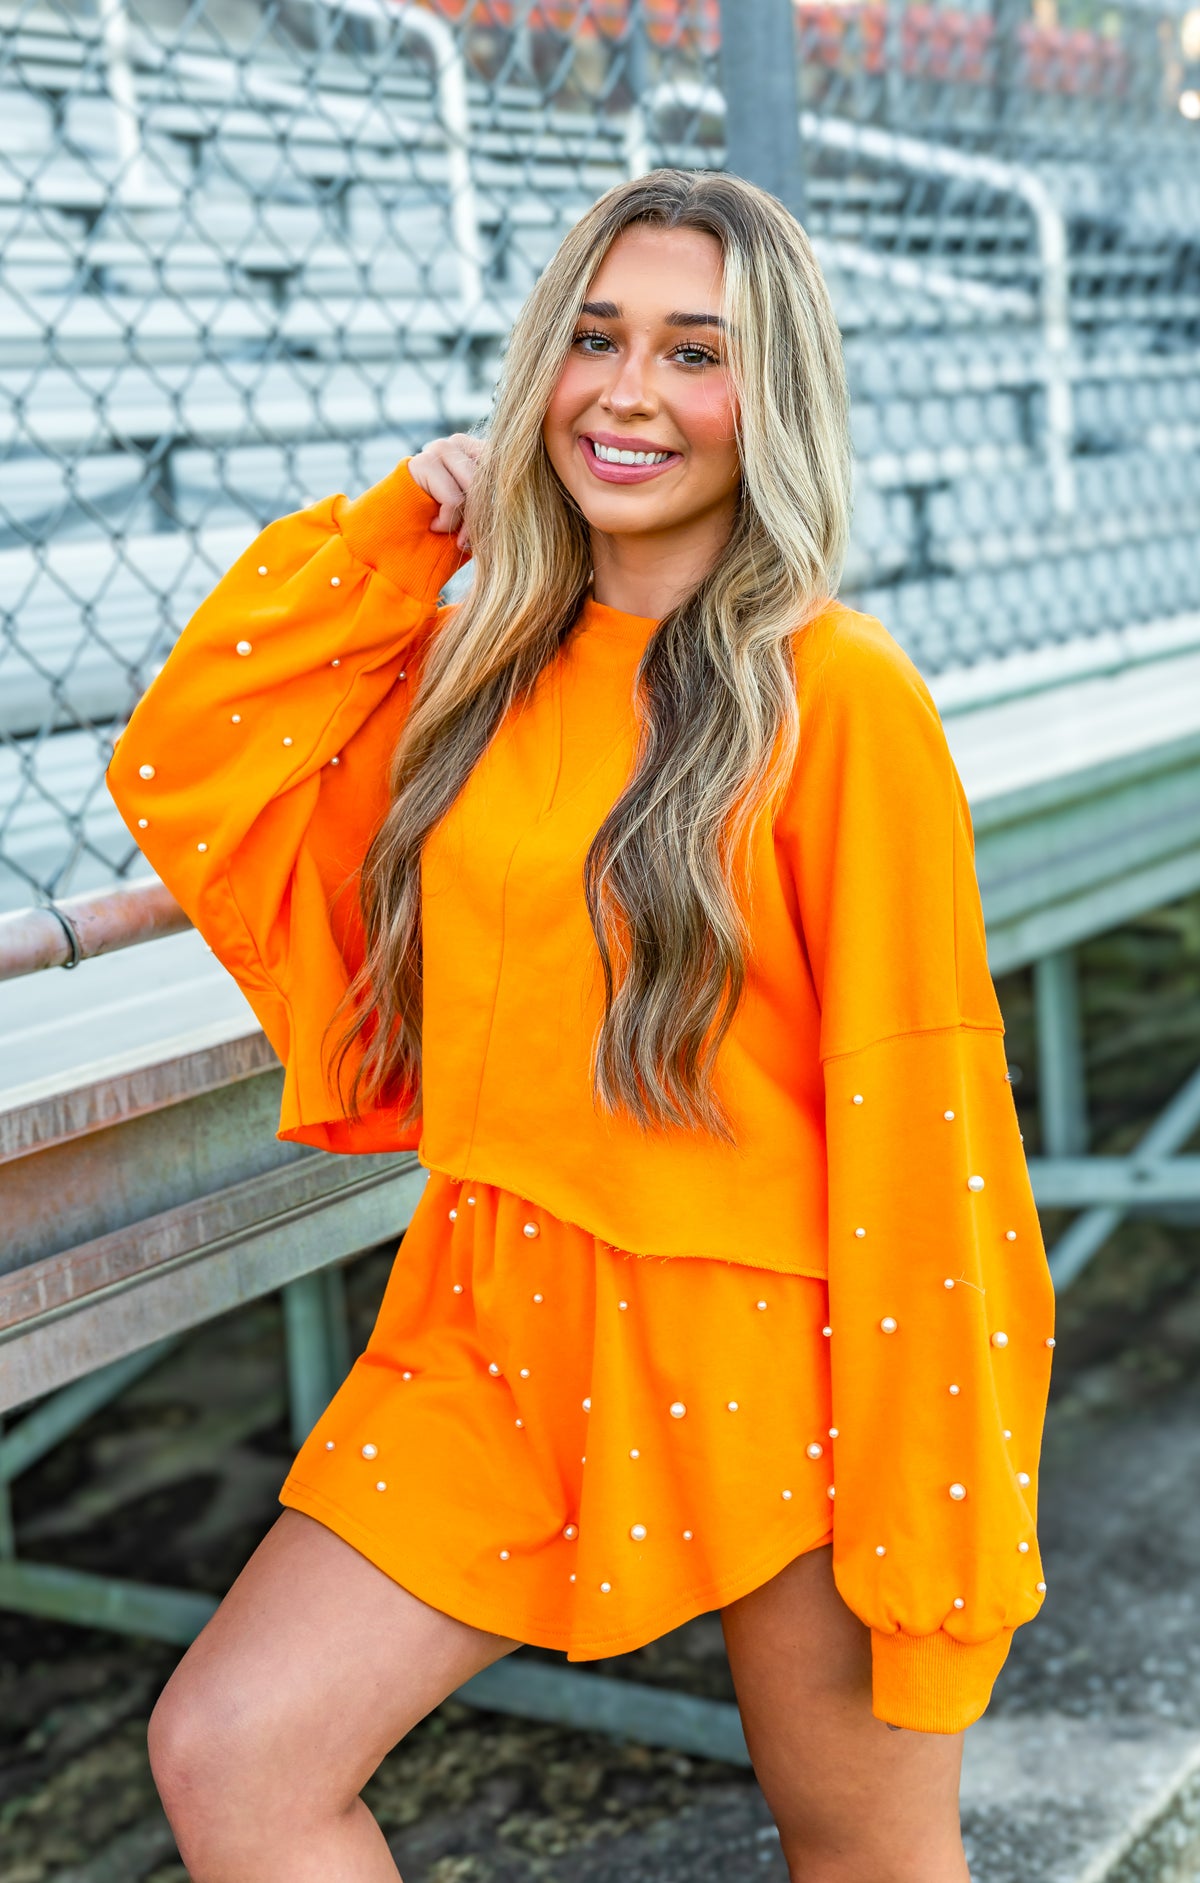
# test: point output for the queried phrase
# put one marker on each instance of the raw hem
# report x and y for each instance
(313, 1503)
(477, 1175)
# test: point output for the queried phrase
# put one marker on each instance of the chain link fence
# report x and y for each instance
(252, 253)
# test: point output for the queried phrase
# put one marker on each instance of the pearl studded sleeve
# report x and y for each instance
(940, 1304)
(254, 770)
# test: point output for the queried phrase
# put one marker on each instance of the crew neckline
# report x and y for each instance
(599, 617)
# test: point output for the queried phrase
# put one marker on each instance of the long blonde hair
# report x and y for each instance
(718, 721)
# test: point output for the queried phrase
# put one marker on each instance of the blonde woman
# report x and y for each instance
(636, 892)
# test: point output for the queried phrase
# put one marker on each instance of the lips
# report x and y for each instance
(623, 473)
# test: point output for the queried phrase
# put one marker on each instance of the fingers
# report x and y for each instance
(444, 470)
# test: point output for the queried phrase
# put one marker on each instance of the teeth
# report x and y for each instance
(608, 455)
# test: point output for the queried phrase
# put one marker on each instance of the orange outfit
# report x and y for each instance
(877, 1164)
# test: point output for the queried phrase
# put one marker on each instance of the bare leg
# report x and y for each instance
(854, 1802)
(313, 1667)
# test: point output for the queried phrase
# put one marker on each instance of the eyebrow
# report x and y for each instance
(608, 310)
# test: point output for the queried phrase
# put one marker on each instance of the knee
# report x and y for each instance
(206, 1757)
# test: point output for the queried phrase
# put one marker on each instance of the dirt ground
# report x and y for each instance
(176, 1482)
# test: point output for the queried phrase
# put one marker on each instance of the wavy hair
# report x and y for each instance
(665, 878)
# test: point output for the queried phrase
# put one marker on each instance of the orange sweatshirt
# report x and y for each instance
(865, 1075)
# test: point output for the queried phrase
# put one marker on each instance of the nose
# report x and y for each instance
(630, 390)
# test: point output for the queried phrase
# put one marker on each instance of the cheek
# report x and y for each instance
(708, 416)
(570, 395)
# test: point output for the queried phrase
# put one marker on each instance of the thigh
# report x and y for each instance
(836, 1778)
(313, 1667)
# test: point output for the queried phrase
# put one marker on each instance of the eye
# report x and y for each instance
(701, 355)
(707, 357)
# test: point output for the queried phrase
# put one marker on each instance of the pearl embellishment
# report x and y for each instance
(235, 719)
(329, 1444)
(858, 1098)
(453, 1216)
(143, 823)
(335, 581)
(948, 1116)
(605, 1588)
(145, 771)
(638, 1532)
(1023, 1548)
(786, 1496)
(814, 1450)
(1040, 1587)
(539, 1298)
(954, 1391)
(458, 1288)
(622, 1305)
(262, 568)
(370, 1451)
(760, 1305)
(1022, 1477)
(243, 647)
(287, 740)
(1050, 1341)
(532, 1231)
(587, 1404)
(881, 1549)
(958, 1492)
(201, 848)
(974, 1183)
(958, 1602)
(677, 1409)
(524, 1372)
(889, 1324)
(493, 1369)
(571, 1531)
(381, 1485)
(999, 1338)
(947, 1283)
(1010, 1235)
(504, 1556)
(860, 1233)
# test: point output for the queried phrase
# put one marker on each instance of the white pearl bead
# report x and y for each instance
(687, 1536)
(262, 568)
(504, 1556)
(948, 1116)
(532, 1231)
(955, 1390)
(858, 1098)
(287, 741)
(958, 1492)
(244, 647)
(974, 1183)
(370, 1451)
(145, 771)
(732, 1406)
(335, 581)
(831, 1491)
(638, 1532)
(470, 1199)
(143, 823)
(1022, 1477)
(1023, 1548)
(453, 1216)
(571, 1531)
(881, 1549)
(201, 847)
(958, 1602)
(622, 1304)
(587, 1404)
(999, 1338)
(827, 1331)
(493, 1369)
(605, 1587)
(571, 1577)
(1050, 1341)
(329, 1444)
(406, 1376)
(947, 1283)
(1007, 1433)
(335, 663)
(833, 1431)
(1040, 1587)
(786, 1496)
(889, 1324)
(520, 1423)
(1010, 1235)
(235, 719)
(524, 1372)
(539, 1299)
(760, 1305)
(860, 1233)
(677, 1409)
(635, 1453)
(814, 1450)
(458, 1287)
(381, 1485)
(404, 676)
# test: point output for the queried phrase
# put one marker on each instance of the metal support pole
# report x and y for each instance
(8, 1541)
(1060, 1055)
(759, 78)
(312, 1372)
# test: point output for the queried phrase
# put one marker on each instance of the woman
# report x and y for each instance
(662, 942)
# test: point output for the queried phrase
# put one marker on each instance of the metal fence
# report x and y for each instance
(252, 253)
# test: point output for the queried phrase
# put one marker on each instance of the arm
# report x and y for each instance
(941, 1308)
(254, 771)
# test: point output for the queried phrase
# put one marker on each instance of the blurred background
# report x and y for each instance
(254, 251)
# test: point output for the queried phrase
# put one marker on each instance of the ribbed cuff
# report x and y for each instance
(932, 1683)
(388, 528)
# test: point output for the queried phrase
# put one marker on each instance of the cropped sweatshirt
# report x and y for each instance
(876, 1138)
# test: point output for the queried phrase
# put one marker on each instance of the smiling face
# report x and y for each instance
(647, 373)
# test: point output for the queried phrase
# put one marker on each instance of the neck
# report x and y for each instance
(650, 574)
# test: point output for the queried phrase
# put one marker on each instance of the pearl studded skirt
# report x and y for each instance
(559, 1442)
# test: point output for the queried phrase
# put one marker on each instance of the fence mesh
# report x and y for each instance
(253, 253)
